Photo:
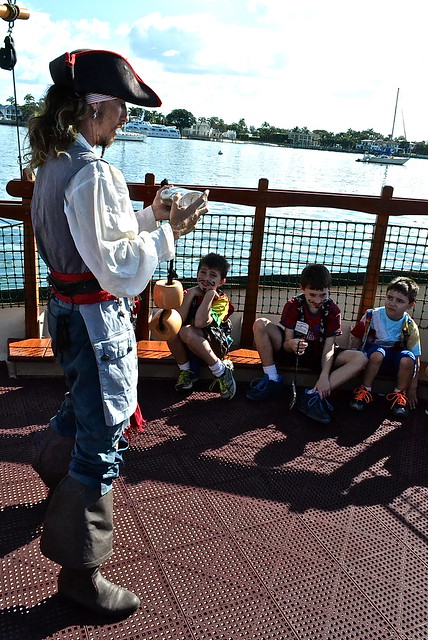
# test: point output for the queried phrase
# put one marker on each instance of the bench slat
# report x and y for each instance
(40, 350)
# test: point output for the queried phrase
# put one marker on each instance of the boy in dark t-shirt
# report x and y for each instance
(310, 323)
(205, 332)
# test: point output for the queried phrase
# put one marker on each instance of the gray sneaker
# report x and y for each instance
(226, 382)
(185, 380)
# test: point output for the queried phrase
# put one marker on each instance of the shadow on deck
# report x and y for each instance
(232, 520)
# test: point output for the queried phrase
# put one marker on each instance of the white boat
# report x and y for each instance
(152, 130)
(383, 155)
(124, 134)
(382, 159)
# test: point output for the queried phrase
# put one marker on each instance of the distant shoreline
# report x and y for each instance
(285, 146)
(11, 123)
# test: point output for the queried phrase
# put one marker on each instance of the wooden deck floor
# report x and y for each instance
(233, 520)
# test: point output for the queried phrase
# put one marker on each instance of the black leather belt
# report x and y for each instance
(71, 289)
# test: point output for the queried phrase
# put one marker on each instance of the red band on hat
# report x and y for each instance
(70, 59)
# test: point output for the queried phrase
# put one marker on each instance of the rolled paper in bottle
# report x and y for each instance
(165, 324)
(187, 196)
(168, 296)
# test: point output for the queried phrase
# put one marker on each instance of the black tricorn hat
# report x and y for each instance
(97, 71)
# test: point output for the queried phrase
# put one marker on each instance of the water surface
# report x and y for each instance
(242, 164)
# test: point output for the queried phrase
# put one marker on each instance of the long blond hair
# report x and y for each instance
(52, 131)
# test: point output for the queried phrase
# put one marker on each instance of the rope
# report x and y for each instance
(9, 64)
(171, 273)
(18, 138)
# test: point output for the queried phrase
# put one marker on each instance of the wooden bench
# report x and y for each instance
(153, 354)
(155, 360)
(38, 350)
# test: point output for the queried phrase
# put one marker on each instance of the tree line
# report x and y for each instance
(183, 119)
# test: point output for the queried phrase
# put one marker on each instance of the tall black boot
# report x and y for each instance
(77, 534)
(52, 458)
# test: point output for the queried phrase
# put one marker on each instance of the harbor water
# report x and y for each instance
(242, 164)
(184, 161)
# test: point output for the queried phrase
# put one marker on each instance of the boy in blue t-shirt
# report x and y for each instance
(389, 337)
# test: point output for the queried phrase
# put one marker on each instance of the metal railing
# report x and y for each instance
(268, 249)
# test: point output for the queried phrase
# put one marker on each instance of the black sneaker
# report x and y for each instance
(263, 388)
(399, 403)
(362, 397)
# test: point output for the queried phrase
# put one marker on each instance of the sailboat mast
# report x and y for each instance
(395, 113)
(404, 125)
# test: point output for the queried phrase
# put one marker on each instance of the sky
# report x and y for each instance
(331, 65)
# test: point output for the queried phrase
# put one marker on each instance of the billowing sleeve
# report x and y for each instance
(121, 248)
(146, 220)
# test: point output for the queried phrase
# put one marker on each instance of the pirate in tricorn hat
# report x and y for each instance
(100, 253)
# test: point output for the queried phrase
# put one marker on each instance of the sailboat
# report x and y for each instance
(383, 155)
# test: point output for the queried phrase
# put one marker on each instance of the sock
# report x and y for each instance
(366, 387)
(218, 369)
(271, 372)
(185, 366)
(396, 390)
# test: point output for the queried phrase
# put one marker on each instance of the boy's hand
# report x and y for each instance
(211, 293)
(298, 346)
(323, 386)
(411, 396)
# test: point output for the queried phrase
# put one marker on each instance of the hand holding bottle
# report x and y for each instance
(183, 219)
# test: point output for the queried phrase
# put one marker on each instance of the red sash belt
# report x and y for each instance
(136, 421)
(79, 298)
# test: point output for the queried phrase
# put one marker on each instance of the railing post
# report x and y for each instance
(254, 266)
(142, 327)
(31, 271)
(371, 281)
(31, 287)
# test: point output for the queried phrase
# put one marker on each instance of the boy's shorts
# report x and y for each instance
(307, 360)
(218, 340)
(391, 359)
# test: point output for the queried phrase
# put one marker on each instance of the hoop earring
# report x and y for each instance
(95, 114)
